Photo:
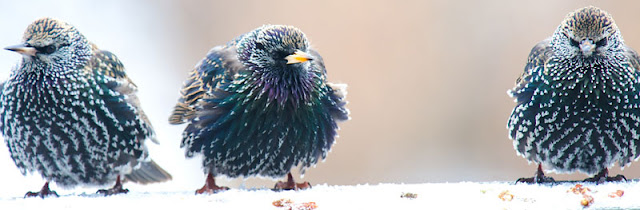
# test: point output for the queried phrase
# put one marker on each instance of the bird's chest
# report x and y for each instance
(597, 85)
(44, 100)
(269, 106)
(588, 95)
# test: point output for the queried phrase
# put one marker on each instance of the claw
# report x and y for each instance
(291, 185)
(116, 189)
(210, 186)
(603, 176)
(537, 178)
(44, 192)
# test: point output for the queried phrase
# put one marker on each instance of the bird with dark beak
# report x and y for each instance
(70, 113)
(577, 100)
(23, 49)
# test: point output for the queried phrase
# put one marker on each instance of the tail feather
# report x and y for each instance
(148, 172)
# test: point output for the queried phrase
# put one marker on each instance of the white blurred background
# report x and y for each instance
(427, 79)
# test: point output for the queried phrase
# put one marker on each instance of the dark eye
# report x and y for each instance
(602, 42)
(259, 46)
(47, 49)
(574, 43)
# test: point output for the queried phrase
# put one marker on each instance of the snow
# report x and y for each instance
(463, 195)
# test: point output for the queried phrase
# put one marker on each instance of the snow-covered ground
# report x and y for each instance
(464, 195)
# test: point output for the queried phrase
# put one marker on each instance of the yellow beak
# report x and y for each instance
(22, 49)
(298, 57)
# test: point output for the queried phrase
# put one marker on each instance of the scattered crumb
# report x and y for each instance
(308, 206)
(505, 195)
(617, 193)
(282, 203)
(586, 200)
(579, 189)
(290, 205)
(409, 195)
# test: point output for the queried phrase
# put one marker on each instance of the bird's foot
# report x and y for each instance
(116, 189)
(291, 185)
(44, 192)
(210, 186)
(538, 178)
(603, 176)
(211, 189)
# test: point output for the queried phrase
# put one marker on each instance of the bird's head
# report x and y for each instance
(588, 32)
(274, 47)
(51, 43)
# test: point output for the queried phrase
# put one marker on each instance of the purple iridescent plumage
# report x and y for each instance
(251, 112)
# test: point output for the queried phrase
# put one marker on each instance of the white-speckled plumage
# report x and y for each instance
(577, 101)
(70, 113)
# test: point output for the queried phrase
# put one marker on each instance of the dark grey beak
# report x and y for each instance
(23, 49)
(587, 47)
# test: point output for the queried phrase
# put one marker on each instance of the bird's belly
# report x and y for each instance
(583, 136)
(271, 143)
(57, 142)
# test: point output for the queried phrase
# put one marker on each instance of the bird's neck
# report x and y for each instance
(288, 86)
(595, 81)
(36, 75)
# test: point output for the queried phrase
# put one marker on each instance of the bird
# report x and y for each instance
(260, 105)
(577, 100)
(69, 112)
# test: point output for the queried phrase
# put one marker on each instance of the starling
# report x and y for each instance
(577, 100)
(69, 112)
(260, 105)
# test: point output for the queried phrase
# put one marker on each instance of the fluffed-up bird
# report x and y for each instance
(259, 106)
(70, 113)
(577, 100)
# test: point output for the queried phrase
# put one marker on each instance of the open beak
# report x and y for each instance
(298, 57)
(22, 49)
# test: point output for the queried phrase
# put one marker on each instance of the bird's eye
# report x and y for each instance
(574, 43)
(602, 42)
(259, 45)
(47, 49)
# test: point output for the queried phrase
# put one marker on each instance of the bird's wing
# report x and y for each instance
(535, 63)
(127, 123)
(110, 74)
(106, 63)
(632, 55)
(526, 86)
(219, 66)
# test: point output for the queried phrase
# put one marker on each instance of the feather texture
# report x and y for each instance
(71, 114)
(577, 101)
(250, 113)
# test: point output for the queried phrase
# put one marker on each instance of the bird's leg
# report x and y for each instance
(210, 186)
(44, 192)
(603, 176)
(538, 177)
(291, 185)
(116, 189)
